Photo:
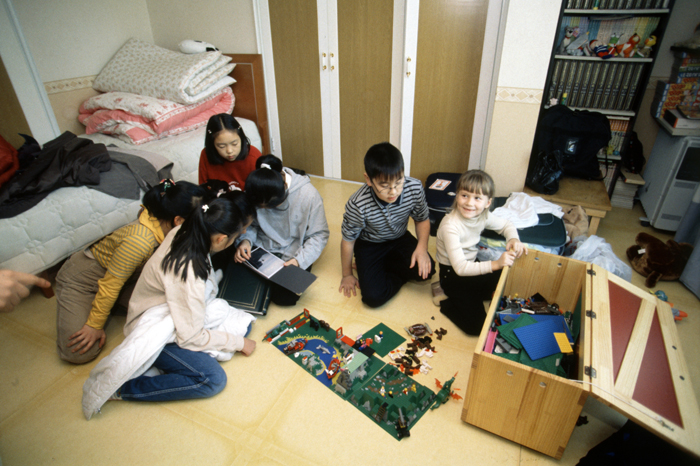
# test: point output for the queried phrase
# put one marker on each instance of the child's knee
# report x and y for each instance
(65, 352)
(215, 382)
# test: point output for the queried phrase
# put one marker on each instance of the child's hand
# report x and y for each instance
(243, 251)
(348, 284)
(422, 258)
(248, 346)
(292, 261)
(86, 337)
(516, 246)
(506, 259)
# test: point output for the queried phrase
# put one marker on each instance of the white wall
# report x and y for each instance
(528, 40)
(227, 24)
(77, 38)
(684, 18)
(527, 43)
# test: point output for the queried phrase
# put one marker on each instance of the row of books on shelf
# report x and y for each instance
(616, 4)
(595, 85)
(609, 31)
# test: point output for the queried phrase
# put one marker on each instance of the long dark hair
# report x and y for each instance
(169, 199)
(216, 124)
(265, 185)
(226, 215)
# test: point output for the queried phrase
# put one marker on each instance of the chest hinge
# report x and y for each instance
(589, 371)
(590, 272)
(591, 314)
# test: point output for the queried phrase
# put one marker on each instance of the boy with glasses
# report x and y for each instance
(375, 225)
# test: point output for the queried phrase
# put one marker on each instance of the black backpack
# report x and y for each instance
(578, 135)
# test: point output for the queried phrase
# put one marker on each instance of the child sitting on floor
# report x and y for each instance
(291, 222)
(466, 281)
(227, 154)
(102, 276)
(375, 228)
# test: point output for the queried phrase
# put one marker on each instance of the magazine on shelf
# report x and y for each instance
(268, 265)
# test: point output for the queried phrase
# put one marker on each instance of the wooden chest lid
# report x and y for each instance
(634, 362)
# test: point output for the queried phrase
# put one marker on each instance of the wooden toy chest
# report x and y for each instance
(628, 356)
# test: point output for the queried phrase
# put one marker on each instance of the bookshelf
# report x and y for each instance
(601, 61)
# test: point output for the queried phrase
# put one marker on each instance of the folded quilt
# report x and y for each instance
(137, 118)
(146, 69)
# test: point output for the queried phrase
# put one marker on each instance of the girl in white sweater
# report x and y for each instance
(466, 281)
(176, 275)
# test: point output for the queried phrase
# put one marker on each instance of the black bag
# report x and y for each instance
(633, 156)
(578, 135)
(544, 178)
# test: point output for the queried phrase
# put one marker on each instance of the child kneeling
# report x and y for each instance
(466, 281)
(375, 226)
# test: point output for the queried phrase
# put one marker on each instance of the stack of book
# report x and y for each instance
(681, 88)
(610, 171)
(623, 194)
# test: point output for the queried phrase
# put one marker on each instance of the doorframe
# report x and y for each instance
(25, 77)
(405, 45)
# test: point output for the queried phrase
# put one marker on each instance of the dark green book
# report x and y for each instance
(244, 289)
(625, 87)
(600, 86)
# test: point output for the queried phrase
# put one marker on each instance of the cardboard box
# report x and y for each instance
(628, 357)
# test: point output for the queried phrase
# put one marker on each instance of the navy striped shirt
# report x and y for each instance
(368, 219)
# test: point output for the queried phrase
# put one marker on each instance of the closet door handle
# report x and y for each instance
(324, 61)
(409, 67)
(332, 61)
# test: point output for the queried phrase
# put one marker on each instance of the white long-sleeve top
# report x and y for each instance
(186, 301)
(458, 237)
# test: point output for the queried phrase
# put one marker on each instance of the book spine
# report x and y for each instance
(570, 80)
(624, 88)
(634, 83)
(562, 79)
(585, 80)
(575, 89)
(616, 86)
(593, 83)
(682, 77)
(555, 79)
(609, 83)
(600, 86)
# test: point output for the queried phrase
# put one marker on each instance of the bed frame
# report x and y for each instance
(249, 90)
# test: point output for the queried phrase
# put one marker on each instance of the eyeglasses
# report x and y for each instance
(384, 187)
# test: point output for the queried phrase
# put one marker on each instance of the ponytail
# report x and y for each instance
(169, 199)
(192, 243)
(265, 186)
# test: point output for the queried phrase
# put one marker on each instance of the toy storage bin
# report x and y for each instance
(628, 356)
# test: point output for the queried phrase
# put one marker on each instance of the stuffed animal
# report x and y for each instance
(644, 51)
(568, 38)
(627, 49)
(596, 49)
(657, 260)
(612, 43)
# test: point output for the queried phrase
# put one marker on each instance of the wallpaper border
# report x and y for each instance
(67, 85)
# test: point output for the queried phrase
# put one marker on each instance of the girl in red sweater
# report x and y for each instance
(227, 154)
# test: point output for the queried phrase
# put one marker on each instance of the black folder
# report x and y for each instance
(244, 289)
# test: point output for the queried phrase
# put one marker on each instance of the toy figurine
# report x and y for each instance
(596, 49)
(645, 50)
(568, 38)
(445, 391)
(575, 48)
(627, 49)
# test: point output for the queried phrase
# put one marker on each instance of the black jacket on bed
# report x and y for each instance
(65, 161)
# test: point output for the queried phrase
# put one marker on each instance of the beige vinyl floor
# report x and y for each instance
(272, 412)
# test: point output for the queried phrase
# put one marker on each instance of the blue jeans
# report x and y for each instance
(187, 375)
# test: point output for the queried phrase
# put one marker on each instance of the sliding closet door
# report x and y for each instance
(450, 40)
(364, 61)
(294, 25)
